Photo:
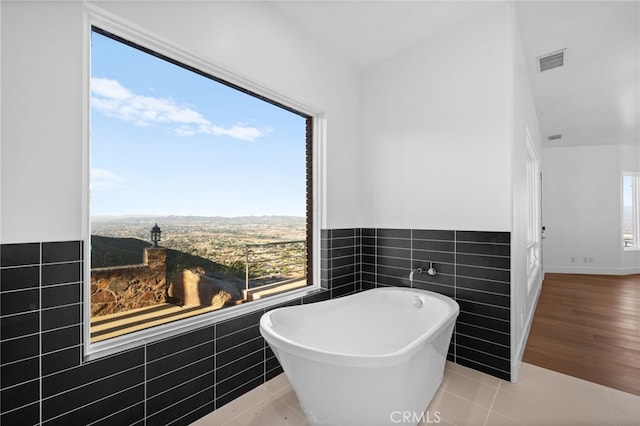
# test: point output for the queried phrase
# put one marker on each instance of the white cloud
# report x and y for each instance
(185, 131)
(109, 89)
(104, 179)
(237, 132)
(115, 100)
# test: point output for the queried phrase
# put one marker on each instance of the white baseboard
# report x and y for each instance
(594, 270)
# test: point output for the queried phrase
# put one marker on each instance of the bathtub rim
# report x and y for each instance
(278, 342)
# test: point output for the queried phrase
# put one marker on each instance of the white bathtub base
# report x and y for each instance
(368, 391)
(352, 396)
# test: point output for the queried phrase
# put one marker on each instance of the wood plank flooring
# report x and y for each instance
(588, 326)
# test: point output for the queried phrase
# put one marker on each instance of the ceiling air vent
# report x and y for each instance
(555, 137)
(552, 60)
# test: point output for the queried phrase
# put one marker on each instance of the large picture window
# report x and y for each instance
(200, 191)
(630, 211)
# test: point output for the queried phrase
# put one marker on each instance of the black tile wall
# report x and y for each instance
(43, 379)
(474, 268)
(179, 376)
(340, 261)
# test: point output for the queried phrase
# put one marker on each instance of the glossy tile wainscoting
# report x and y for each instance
(44, 379)
(473, 268)
(173, 381)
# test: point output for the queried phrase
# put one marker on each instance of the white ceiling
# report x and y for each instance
(593, 100)
(367, 32)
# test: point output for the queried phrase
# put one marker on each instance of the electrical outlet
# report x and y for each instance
(585, 260)
(591, 260)
(573, 260)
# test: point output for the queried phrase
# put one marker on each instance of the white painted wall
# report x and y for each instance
(442, 130)
(581, 209)
(444, 143)
(1, 121)
(42, 98)
(523, 298)
(41, 133)
(437, 134)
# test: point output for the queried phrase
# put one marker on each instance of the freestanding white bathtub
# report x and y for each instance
(372, 358)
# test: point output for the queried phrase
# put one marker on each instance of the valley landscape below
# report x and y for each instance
(221, 240)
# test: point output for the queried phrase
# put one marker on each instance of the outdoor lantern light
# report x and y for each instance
(155, 235)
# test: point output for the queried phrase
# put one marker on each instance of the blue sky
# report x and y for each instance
(627, 190)
(167, 141)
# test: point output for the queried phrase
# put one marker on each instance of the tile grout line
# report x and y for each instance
(146, 383)
(492, 402)
(214, 360)
(113, 414)
(169, 407)
(330, 262)
(455, 294)
(484, 365)
(185, 415)
(40, 372)
(411, 256)
(297, 410)
(269, 394)
(360, 258)
(376, 253)
(613, 414)
(75, 388)
(183, 382)
(76, 409)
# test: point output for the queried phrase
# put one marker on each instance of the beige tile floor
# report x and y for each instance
(466, 397)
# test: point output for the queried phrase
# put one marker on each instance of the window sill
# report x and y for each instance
(140, 338)
(631, 248)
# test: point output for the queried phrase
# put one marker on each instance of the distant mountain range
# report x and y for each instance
(172, 219)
